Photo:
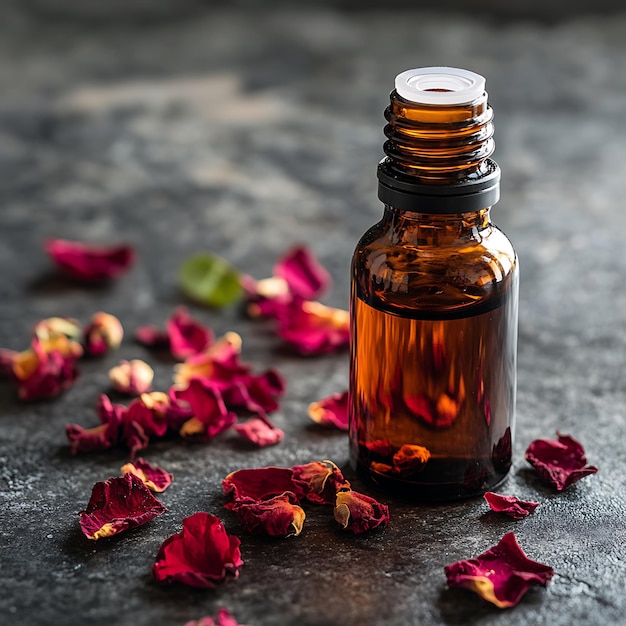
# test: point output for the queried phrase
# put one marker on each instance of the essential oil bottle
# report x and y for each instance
(434, 301)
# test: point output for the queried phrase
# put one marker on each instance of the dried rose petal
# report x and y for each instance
(331, 411)
(89, 263)
(153, 476)
(313, 328)
(210, 415)
(186, 335)
(100, 437)
(47, 368)
(220, 362)
(253, 485)
(132, 377)
(105, 332)
(224, 618)
(279, 516)
(302, 272)
(118, 504)
(202, 555)
(319, 481)
(152, 337)
(259, 432)
(510, 505)
(254, 393)
(53, 328)
(410, 459)
(358, 513)
(560, 463)
(502, 575)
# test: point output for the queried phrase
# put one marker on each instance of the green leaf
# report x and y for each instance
(210, 280)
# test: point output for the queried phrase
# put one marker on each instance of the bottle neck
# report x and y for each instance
(416, 228)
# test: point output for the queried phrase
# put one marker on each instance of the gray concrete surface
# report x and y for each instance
(240, 133)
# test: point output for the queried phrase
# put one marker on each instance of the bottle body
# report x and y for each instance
(433, 354)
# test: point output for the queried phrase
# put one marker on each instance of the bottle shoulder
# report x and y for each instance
(409, 270)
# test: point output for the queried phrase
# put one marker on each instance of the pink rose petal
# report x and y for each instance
(510, 505)
(89, 263)
(502, 575)
(258, 432)
(224, 618)
(118, 504)
(331, 411)
(560, 463)
(187, 336)
(303, 273)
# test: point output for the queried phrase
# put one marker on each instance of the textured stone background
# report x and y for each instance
(241, 132)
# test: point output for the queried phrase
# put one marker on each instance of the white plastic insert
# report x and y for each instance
(440, 85)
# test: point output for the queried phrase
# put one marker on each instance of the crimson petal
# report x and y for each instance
(253, 485)
(118, 504)
(510, 505)
(153, 476)
(560, 463)
(202, 555)
(89, 263)
(187, 336)
(331, 411)
(319, 481)
(279, 516)
(502, 575)
(359, 513)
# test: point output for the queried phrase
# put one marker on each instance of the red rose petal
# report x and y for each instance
(313, 328)
(259, 432)
(253, 485)
(279, 516)
(210, 415)
(224, 618)
(502, 575)
(89, 263)
(331, 411)
(510, 505)
(118, 504)
(153, 476)
(560, 463)
(187, 336)
(304, 275)
(100, 437)
(202, 555)
(319, 481)
(359, 513)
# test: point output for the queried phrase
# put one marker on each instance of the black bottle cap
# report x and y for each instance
(471, 194)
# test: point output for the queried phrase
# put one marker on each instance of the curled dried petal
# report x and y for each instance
(153, 476)
(510, 505)
(100, 437)
(314, 328)
(89, 263)
(259, 432)
(320, 481)
(132, 377)
(105, 332)
(202, 555)
(253, 485)
(502, 575)
(560, 463)
(331, 411)
(359, 513)
(279, 516)
(305, 276)
(118, 504)
(187, 336)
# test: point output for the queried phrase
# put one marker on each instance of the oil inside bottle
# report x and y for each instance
(433, 394)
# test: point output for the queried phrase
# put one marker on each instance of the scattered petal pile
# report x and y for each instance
(306, 325)
(560, 463)
(118, 504)
(267, 499)
(89, 263)
(510, 505)
(202, 555)
(502, 575)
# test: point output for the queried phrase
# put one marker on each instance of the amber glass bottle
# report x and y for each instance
(434, 301)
